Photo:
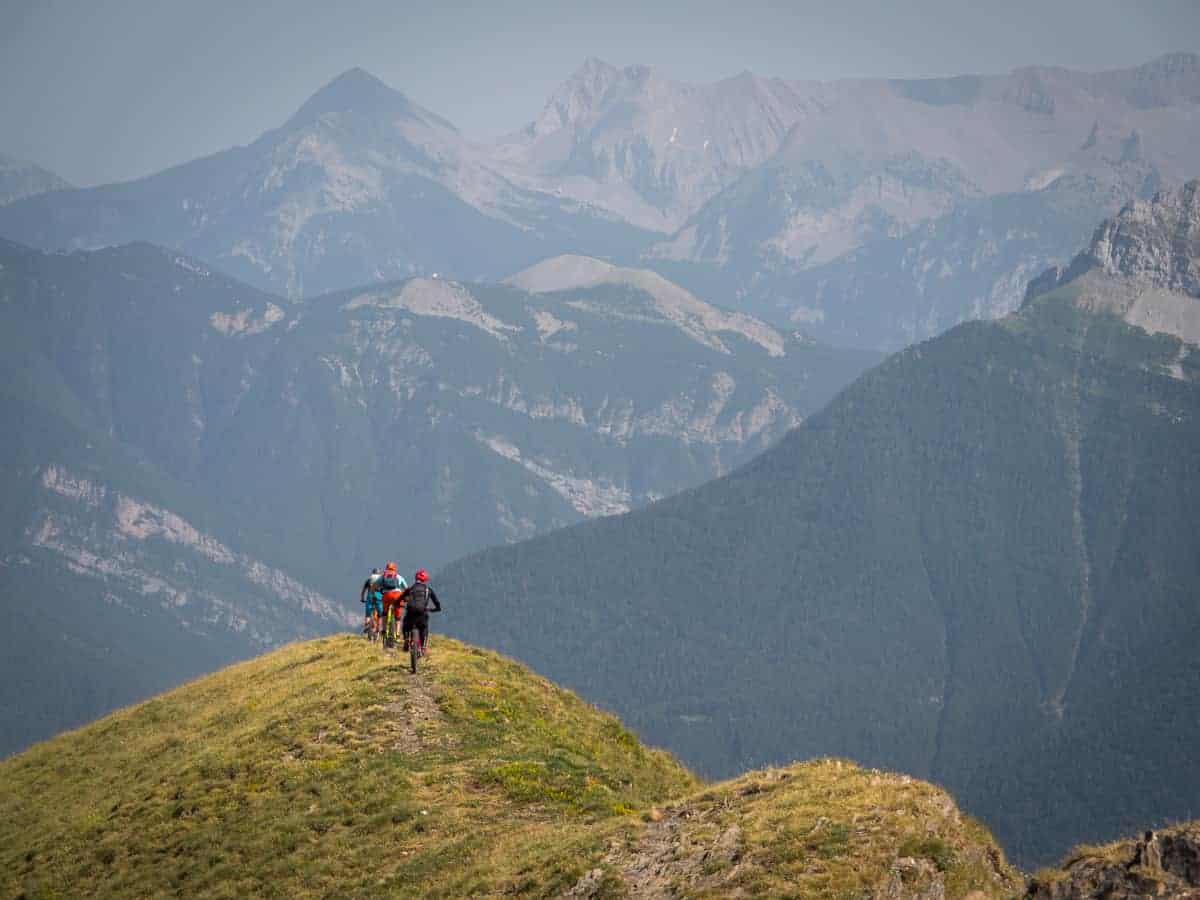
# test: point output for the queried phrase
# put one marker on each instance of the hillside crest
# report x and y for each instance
(293, 770)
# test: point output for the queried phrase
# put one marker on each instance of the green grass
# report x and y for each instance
(829, 828)
(300, 774)
(325, 769)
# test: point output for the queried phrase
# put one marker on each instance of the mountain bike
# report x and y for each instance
(370, 628)
(390, 628)
(416, 647)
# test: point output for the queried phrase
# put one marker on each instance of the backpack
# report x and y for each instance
(418, 597)
(389, 581)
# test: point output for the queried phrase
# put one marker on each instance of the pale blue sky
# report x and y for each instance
(103, 90)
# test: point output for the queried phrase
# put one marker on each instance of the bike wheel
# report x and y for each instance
(414, 649)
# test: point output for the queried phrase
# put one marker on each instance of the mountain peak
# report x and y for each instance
(1182, 62)
(357, 90)
(1166, 81)
(578, 95)
(592, 66)
(1142, 265)
(20, 178)
(1155, 241)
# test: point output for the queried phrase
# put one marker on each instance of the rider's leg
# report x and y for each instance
(420, 625)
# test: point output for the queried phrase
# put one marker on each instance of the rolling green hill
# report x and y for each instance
(325, 769)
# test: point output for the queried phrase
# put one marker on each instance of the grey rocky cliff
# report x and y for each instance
(1160, 864)
(1142, 265)
(1154, 242)
(1157, 241)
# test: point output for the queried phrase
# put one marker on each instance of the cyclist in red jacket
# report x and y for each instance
(392, 586)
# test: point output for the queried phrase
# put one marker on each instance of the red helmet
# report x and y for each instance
(421, 575)
(390, 567)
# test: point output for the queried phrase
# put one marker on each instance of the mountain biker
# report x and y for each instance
(417, 600)
(392, 585)
(371, 599)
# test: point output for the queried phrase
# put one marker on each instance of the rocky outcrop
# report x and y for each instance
(1142, 265)
(1156, 242)
(825, 828)
(1160, 864)
(669, 302)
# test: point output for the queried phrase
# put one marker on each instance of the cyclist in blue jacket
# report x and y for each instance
(372, 601)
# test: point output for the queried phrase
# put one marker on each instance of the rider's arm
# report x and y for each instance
(437, 607)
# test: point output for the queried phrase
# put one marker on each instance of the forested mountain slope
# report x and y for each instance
(979, 564)
(204, 457)
(118, 577)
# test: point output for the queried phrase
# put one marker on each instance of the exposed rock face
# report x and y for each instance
(1160, 864)
(1157, 242)
(876, 212)
(699, 320)
(1142, 265)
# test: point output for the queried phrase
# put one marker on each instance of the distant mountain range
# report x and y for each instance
(20, 179)
(204, 461)
(788, 200)
(978, 564)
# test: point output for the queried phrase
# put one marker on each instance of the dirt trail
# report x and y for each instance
(417, 713)
(674, 852)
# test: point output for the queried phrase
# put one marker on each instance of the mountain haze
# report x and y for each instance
(789, 200)
(677, 146)
(208, 458)
(618, 379)
(360, 184)
(20, 179)
(978, 564)
(113, 578)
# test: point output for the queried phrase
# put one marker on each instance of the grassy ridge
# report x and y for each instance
(318, 769)
(325, 769)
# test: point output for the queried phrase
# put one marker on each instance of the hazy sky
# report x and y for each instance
(104, 90)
